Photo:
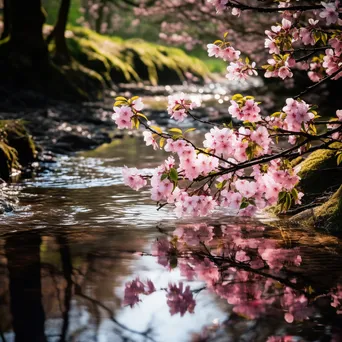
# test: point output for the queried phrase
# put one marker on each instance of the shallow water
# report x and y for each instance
(76, 237)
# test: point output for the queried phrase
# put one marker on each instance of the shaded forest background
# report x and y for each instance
(68, 50)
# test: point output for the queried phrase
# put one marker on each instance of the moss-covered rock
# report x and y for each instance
(132, 60)
(327, 216)
(18, 138)
(8, 160)
(319, 172)
(16, 147)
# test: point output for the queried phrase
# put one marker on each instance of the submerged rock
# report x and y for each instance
(73, 142)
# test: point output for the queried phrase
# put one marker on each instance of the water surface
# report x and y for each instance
(76, 237)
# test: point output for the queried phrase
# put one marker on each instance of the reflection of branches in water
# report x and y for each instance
(52, 273)
(68, 273)
(145, 334)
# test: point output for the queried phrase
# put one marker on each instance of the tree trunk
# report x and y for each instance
(27, 46)
(61, 53)
(99, 19)
(6, 20)
(23, 262)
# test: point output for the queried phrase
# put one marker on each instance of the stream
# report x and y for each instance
(78, 235)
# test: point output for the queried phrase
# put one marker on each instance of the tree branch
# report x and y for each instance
(244, 7)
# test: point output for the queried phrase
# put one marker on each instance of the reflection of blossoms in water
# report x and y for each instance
(163, 250)
(281, 339)
(193, 234)
(296, 305)
(238, 265)
(134, 288)
(179, 300)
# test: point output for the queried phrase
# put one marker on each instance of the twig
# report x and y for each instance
(308, 89)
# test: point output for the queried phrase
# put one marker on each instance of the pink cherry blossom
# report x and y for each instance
(132, 178)
(336, 44)
(148, 138)
(240, 71)
(332, 63)
(213, 50)
(138, 104)
(122, 116)
(180, 104)
(229, 54)
(330, 12)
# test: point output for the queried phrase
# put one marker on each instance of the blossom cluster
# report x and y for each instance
(282, 41)
(179, 105)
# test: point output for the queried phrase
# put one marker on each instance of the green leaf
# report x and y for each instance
(294, 194)
(220, 185)
(143, 116)
(164, 176)
(339, 159)
(121, 98)
(161, 142)
(119, 103)
(135, 122)
(281, 196)
(190, 130)
(324, 38)
(237, 97)
(157, 129)
(173, 174)
(176, 130)
(244, 204)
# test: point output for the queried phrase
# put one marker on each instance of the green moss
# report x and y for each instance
(16, 136)
(319, 171)
(13, 136)
(132, 60)
(327, 216)
(8, 160)
(16, 147)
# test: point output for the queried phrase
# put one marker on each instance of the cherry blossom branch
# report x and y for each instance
(303, 58)
(265, 159)
(317, 48)
(169, 136)
(200, 120)
(244, 7)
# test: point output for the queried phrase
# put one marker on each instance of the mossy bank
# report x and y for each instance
(118, 60)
